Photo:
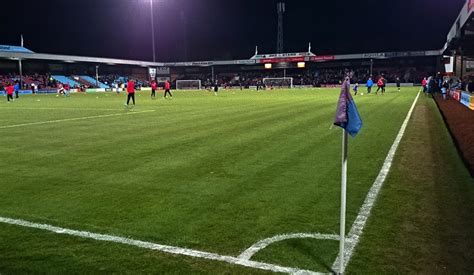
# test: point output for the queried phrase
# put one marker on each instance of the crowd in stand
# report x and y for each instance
(311, 77)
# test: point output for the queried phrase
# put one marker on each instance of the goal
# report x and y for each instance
(188, 84)
(278, 82)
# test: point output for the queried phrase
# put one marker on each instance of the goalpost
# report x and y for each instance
(188, 84)
(278, 82)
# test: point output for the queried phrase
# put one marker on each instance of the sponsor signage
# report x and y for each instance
(285, 59)
(373, 55)
(281, 55)
(152, 72)
(322, 58)
(162, 71)
(466, 99)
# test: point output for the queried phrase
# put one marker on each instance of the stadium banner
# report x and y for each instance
(94, 90)
(21, 92)
(282, 60)
(455, 94)
(466, 99)
(281, 55)
(48, 91)
(152, 72)
(322, 58)
(163, 71)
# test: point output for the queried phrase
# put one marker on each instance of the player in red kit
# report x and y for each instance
(154, 86)
(130, 92)
(9, 89)
(167, 89)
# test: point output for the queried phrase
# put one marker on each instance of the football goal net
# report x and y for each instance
(188, 84)
(278, 82)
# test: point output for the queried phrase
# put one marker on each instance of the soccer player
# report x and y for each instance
(370, 84)
(167, 89)
(131, 92)
(356, 88)
(67, 89)
(398, 83)
(216, 88)
(17, 89)
(9, 89)
(60, 89)
(381, 85)
(154, 86)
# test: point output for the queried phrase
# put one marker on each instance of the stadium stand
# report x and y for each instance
(63, 79)
(93, 82)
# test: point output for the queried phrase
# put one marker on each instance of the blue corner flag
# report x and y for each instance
(347, 115)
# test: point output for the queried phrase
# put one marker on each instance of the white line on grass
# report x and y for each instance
(157, 247)
(247, 254)
(59, 108)
(365, 210)
(71, 119)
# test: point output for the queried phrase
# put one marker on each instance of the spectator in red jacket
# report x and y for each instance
(424, 84)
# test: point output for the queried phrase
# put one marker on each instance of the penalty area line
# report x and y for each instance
(72, 119)
(157, 247)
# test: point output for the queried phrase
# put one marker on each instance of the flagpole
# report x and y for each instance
(342, 233)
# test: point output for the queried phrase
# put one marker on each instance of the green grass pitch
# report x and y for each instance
(211, 173)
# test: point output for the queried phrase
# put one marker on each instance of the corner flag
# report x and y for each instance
(347, 116)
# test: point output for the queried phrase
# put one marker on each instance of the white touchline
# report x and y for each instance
(71, 119)
(251, 251)
(59, 108)
(157, 247)
(365, 210)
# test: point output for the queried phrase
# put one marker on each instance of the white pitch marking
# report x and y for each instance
(251, 251)
(59, 108)
(364, 212)
(71, 119)
(157, 247)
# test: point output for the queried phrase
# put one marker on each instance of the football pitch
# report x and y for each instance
(196, 177)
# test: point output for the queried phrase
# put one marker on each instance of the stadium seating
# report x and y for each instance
(93, 82)
(63, 79)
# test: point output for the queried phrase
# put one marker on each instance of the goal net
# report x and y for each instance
(279, 82)
(188, 84)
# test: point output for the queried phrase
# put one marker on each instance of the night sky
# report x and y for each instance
(224, 29)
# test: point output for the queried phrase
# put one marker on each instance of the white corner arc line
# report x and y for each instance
(365, 210)
(156, 247)
(71, 119)
(251, 251)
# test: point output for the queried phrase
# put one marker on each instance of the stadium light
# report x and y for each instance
(268, 66)
(301, 65)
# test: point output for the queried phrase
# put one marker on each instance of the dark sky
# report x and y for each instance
(224, 29)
